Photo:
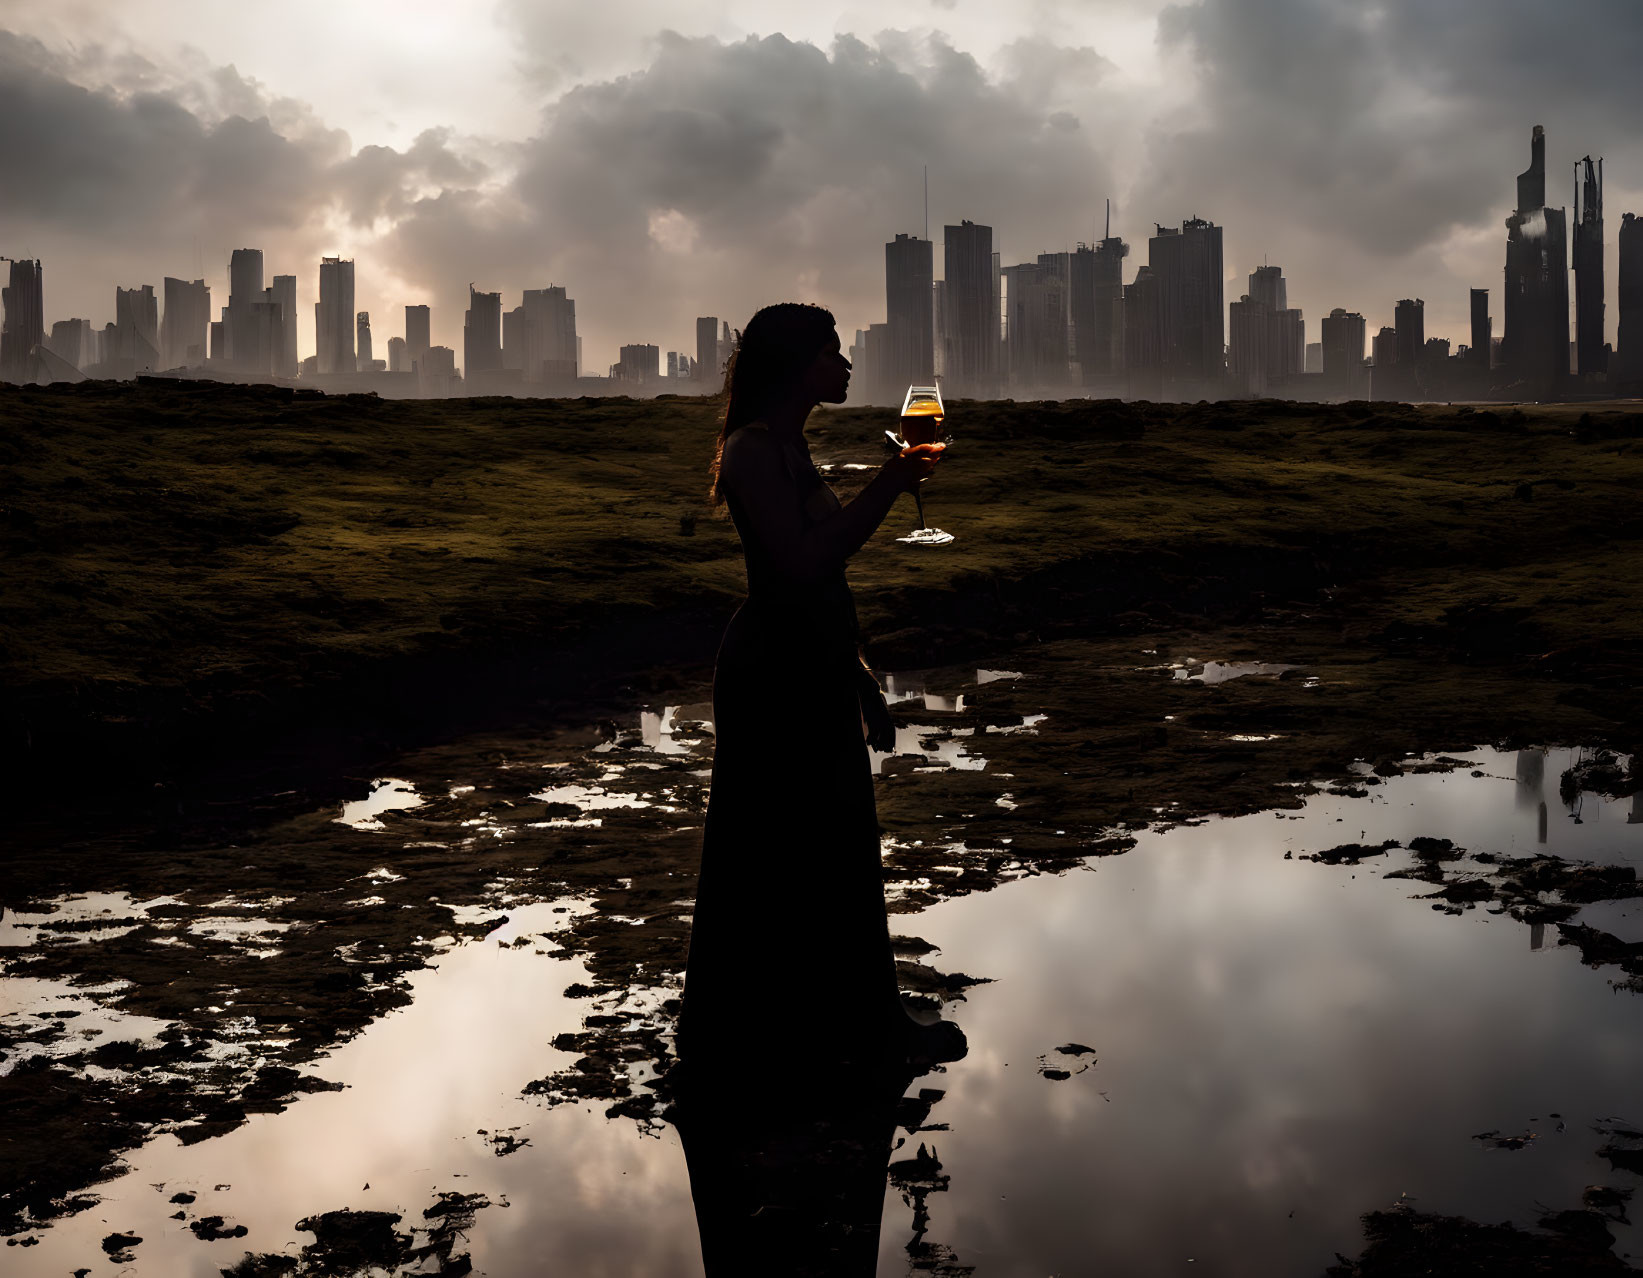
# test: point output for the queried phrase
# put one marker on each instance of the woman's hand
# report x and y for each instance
(913, 464)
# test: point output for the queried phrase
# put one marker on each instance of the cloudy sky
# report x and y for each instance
(665, 160)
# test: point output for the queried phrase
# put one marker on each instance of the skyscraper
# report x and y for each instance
(548, 335)
(1409, 319)
(185, 323)
(481, 333)
(1629, 338)
(1187, 267)
(334, 316)
(972, 334)
(1588, 262)
(709, 363)
(1482, 329)
(640, 364)
(1343, 335)
(416, 333)
(1143, 337)
(245, 287)
(909, 285)
(1248, 353)
(136, 346)
(1534, 348)
(24, 326)
(1037, 325)
(1286, 328)
(362, 332)
(398, 360)
(283, 293)
(1095, 303)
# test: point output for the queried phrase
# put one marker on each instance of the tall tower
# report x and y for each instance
(1629, 338)
(1534, 348)
(25, 324)
(245, 287)
(482, 333)
(1191, 310)
(362, 331)
(185, 323)
(417, 328)
(334, 316)
(283, 292)
(1483, 328)
(972, 309)
(1588, 260)
(909, 291)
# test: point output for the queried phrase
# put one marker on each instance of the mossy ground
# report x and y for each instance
(192, 572)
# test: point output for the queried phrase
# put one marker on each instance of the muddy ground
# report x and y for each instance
(240, 607)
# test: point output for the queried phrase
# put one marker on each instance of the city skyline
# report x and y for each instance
(1063, 324)
(701, 181)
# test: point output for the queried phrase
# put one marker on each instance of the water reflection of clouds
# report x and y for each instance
(388, 794)
(1280, 1041)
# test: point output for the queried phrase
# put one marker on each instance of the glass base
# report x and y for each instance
(926, 537)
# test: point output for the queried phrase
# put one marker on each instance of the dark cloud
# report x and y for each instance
(723, 176)
(1361, 143)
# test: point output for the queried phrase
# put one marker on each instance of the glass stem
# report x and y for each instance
(918, 501)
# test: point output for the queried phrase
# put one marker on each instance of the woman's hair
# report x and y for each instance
(777, 346)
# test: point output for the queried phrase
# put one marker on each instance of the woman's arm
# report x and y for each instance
(753, 469)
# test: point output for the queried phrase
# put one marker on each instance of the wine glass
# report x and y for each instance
(922, 415)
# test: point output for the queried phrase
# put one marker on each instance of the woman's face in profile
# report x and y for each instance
(828, 378)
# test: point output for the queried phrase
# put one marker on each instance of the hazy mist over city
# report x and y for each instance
(667, 161)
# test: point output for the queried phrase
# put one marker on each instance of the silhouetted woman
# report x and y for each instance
(790, 962)
(794, 1043)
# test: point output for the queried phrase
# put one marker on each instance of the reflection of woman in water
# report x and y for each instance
(790, 948)
(794, 1043)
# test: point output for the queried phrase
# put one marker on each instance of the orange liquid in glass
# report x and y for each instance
(921, 423)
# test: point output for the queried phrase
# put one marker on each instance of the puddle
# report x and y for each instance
(1279, 1046)
(387, 795)
(1221, 671)
(1207, 1050)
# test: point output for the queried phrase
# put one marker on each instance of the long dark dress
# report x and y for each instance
(790, 960)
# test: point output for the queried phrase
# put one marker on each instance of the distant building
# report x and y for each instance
(399, 361)
(909, 287)
(1096, 305)
(481, 333)
(245, 287)
(283, 293)
(334, 316)
(416, 333)
(1534, 346)
(1191, 311)
(1248, 356)
(362, 345)
(547, 335)
(75, 342)
(1313, 360)
(1385, 358)
(710, 369)
(971, 339)
(1629, 302)
(1343, 335)
(436, 376)
(185, 327)
(136, 339)
(1482, 328)
(24, 326)
(1592, 359)
(1409, 320)
(1143, 337)
(638, 365)
(1037, 327)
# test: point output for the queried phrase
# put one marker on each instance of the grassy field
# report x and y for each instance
(194, 570)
